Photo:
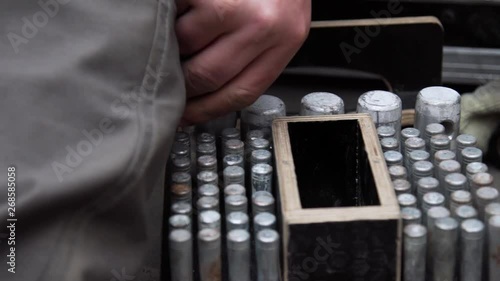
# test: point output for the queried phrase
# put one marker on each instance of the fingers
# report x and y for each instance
(197, 28)
(221, 62)
(241, 91)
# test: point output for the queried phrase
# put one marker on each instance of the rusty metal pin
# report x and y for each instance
(181, 188)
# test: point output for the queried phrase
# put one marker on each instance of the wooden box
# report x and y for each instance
(340, 217)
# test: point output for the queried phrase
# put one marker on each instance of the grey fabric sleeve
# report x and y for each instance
(91, 93)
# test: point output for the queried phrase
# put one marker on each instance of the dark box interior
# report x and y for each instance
(331, 164)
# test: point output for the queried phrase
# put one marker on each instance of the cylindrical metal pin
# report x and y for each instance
(236, 203)
(386, 132)
(179, 150)
(460, 198)
(463, 141)
(491, 210)
(407, 200)
(412, 144)
(484, 196)
(433, 200)
(181, 165)
(254, 134)
(262, 202)
(233, 160)
(431, 130)
(398, 172)
(208, 190)
(420, 170)
(393, 158)
(181, 189)
(206, 177)
(209, 255)
(444, 241)
(321, 103)
(206, 149)
(465, 212)
(234, 189)
(234, 147)
(267, 247)
(472, 246)
(424, 186)
(260, 115)
(474, 168)
(182, 208)
(207, 204)
(419, 155)
(183, 137)
(205, 138)
(264, 221)
(470, 155)
(494, 248)
(207, 163)
(411, 215)
(441, 156)
(389, 144)
(445, 168)
(230, 134)
(439, 142)
(401, 186)
(384, 107)
(238, 255)
(261, 156)
(237, 220)
(452, 183)
(209, 219)
(438, 105)
(406, 134)
(415, 248)
(480, 180)
(181, 255)
(179, 222)
(262, 178)
(234, 175)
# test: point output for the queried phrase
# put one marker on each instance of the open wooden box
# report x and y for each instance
(340, 216)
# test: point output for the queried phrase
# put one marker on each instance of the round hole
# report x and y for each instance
(448, 127)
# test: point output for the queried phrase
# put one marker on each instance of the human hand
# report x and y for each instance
(235, 49)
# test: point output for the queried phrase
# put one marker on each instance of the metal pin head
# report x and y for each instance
(455, 181)
(208, 190)
(393, 158)
(209, 219)
(487, 194)
(262, 201)
(182, 137)
(386, 132)
(443, 155)
(205, 138)
(419, 155)
(179, 222)
(236, 203)
(207, 163)
(427, 184)
(476, 167)
(262, 112)
(234, 175)
(407, 133)
(237, 220)
(267, 239)
(262, 169)
(461, 197)
(230, 133)
(439, 142)
(182, 208)
(465, 212)
(407, 200)
(384, 107)
(411, 215)
(254, 134)
(472, 229)
(207, 204)
(472, 154)
(264, 221)
(423, 168)
(206, 149)
(401, 186)
(209, 237)
(433, 199)
(465, 140)
(435, 213)
(234, 146)
(321, 103)
(414, 144)
(180, 238)
(494, 221)
(492, 209)
(389, 144)
(234, 189)
(181, 165)
(181, 178)
(207, 177)
(259, 144)
(233, 160)
(261, 156)
(238, 239)
(446, 223)
(398, 172)
(450, 166)
(180, 150)
(416, 231)
(434, 129)
(482, 179)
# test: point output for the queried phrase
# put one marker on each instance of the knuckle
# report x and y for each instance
(242, 97)
(267, 19)
(200, 79)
